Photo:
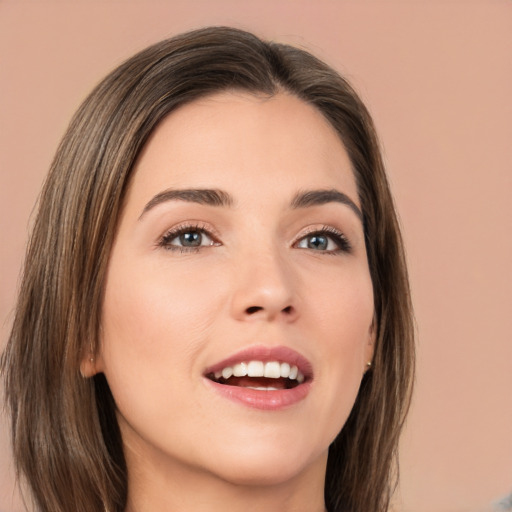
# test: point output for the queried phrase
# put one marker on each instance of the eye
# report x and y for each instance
(327, 240)
(187, 239)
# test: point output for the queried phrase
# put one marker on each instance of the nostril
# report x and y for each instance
(253, 309)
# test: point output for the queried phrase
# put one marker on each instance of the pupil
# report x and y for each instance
(191, 239)
(317, 242)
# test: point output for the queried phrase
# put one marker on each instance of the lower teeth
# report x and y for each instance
(259, 388)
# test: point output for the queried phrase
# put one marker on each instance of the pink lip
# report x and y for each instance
(259, 399)
(265, 400)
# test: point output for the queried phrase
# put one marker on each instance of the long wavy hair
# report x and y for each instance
(66, 440)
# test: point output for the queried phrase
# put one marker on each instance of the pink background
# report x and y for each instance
(437, 77)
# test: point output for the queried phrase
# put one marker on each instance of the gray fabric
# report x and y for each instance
(504, 505)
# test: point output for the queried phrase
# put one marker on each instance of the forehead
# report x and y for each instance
(237, 139)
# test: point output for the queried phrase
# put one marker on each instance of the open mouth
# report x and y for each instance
(262, 377)
(259, 375)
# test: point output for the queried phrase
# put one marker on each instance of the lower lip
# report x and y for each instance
(272, 400)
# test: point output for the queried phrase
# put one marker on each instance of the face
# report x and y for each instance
(237, 318)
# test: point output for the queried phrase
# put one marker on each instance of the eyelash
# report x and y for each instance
(343, 244)
(334, 234)
(166, 239)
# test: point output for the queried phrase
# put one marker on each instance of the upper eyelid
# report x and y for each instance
(311, 230)
(190, 226)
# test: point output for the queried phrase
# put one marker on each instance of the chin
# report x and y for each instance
(259, 476)
(266, 466)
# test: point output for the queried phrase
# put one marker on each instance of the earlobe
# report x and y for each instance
(92, 360)
(370, 347)
(88, 367)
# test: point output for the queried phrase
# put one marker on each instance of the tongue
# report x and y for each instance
(255, 382)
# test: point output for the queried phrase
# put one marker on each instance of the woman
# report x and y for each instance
(214, 310)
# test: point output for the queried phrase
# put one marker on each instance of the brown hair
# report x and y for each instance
(67, 443)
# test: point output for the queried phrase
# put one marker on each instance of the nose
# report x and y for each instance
(265, 289)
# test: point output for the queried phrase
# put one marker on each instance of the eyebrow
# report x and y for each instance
(216, 197)
(208, 197)
(318, 197)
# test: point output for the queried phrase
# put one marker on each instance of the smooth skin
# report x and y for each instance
(190, 284)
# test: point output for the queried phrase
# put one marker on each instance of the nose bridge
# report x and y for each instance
(264, 285)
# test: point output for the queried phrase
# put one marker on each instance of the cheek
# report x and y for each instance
(350, 320)
(344, 309)
(344, 314)
(152, 309)
(154, 323)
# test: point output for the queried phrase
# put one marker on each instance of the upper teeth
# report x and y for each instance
(271, 370)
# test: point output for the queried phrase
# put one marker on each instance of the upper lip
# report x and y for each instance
(281, 354)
